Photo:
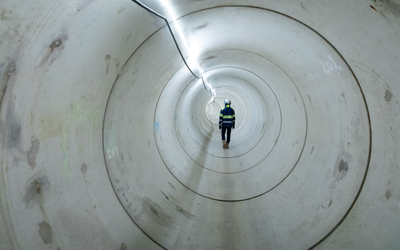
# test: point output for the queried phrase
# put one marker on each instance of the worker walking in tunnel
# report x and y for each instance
(226, 122)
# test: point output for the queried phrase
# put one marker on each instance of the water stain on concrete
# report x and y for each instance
(171, 185)
(11, 131)
(387, 8)
(117, 63)
(200, 27)
(302, 6)
(8, 73)
(6, 15)
(172, 201)
(388, 95)
(107, 59)
(123, 247)
(53, 51)
(388, 194)
(84, 168)
(32, 152)
(155, 212)
(122, 156)
(11, 128)
(45, 232)
(208, 58)
(35, 189)
(341, 166)
(330, 203)
(14, 134)
(185, 213)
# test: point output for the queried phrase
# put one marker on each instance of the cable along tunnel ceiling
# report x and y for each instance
(298, 155)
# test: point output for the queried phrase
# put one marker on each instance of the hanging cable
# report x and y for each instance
(176, 43)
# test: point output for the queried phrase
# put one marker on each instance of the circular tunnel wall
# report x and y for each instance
(108, 141)
(284, 130)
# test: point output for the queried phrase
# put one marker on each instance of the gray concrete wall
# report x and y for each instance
(108, 142)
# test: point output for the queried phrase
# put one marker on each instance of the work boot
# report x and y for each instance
(227, 145)
(223, 143)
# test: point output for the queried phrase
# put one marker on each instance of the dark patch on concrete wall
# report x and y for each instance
(388, 95)
(171, 185)
(35, 189)
(185, 213)
(6, 15)
(54, 49)
(330, 203)
(14, 134)
(12, 130)
(33, 151)
(155, 212)
(312, 149)
(8, 73)
(388, 194)
(107, 59)
(200, 27)
(172, 201)
(122, 156)
(304, 7)
(341, 166)
(387, 8)
(56, 44)
(208, 58)
(84, 168)
(45, 232)
(123, 247)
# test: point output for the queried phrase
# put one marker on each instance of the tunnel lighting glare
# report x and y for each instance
(193, 52)
(178, 28)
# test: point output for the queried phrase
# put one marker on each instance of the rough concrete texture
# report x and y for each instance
(108, 141)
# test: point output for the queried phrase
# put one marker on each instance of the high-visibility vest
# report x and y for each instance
(227, 117)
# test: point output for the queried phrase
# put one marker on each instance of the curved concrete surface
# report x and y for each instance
(108, 141)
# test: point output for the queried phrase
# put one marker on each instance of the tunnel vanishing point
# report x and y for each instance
(107, 141)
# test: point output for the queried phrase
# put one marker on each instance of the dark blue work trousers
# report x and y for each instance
(228, 131)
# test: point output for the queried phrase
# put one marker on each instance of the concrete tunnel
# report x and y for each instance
(109, 142)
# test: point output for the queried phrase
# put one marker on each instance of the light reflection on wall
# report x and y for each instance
(194, 50)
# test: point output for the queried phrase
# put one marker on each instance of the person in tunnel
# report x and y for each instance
(226, 123)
